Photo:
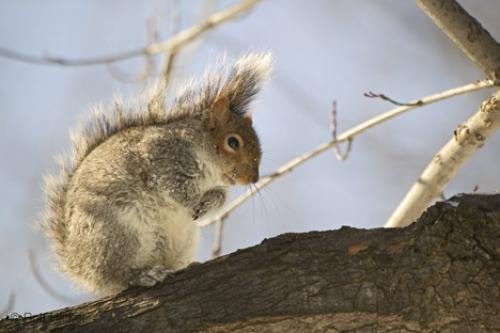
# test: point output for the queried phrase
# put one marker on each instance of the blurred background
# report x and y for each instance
(324, 50)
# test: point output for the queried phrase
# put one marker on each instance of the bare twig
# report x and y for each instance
(169, 67)
(182, 38)
(333, 129)
(219, 228)
(60, 61)
(152, 28)
(149, 68)
(45, 285)
(356, 130)
(467, 33)
(11, 302)
(149, 61)
(175, 16)
(371, 94)
(175, 19)
(175, 13)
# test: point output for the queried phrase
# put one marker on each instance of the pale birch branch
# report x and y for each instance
(466, 32)
(467, 138)
(182, 38)
(345, 136)
(483, 50)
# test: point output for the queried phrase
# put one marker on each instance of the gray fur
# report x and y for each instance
(123, 207)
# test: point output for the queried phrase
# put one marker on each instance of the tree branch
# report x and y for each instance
(383, 97)
(45, 284)
(182, 38)
(466, 32)
(345, 136)
(11, 302)
(478, 44)
(467, 138)
(341, 156)
(348, 280)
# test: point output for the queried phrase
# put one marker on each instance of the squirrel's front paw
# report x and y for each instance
(151, 277)
(211, 199)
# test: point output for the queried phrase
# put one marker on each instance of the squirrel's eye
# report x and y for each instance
(233, 142)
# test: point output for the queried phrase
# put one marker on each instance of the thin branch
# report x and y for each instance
(11, 302)
(169, 67)
(175, 16)
(152, 28)
(166, 74)
(467, 33)
(467, 139)
(333, 129)
(45, 285)
(157, 103)
(219, 228)
(149, 68)
(182, 38)
(371, 94)
(175, 19)
(351, 133)
(60, 61)
(149, 61)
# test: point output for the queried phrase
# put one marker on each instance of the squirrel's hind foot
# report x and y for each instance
(151, 277)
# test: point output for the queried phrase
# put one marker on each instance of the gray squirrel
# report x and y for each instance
(123, 210)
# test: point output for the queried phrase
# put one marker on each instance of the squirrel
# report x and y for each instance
(123, 211)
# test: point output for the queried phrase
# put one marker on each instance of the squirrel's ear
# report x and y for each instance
(245, 80)
(225, 89)
(248, 118)
(220, 112)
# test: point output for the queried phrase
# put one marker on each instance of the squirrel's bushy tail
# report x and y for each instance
(53, 220)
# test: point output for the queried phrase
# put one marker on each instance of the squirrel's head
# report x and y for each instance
(223, 99)
(236, 142)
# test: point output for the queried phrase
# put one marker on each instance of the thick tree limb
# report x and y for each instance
(440, 274)
(465, 31)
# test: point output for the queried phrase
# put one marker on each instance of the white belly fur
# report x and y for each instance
(167, 234)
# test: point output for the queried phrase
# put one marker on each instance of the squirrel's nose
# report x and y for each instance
(255, 176)
(249, 176)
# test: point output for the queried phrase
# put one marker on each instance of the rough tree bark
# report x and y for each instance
(439, 274)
